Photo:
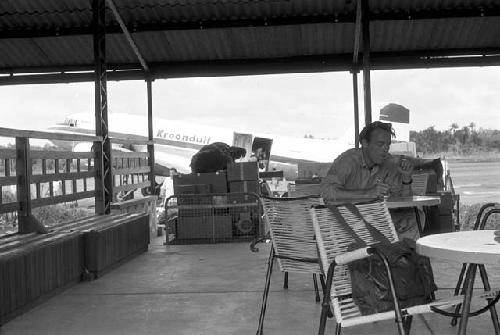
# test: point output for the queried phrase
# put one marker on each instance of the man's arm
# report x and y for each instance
(330, 190)
(400, 177)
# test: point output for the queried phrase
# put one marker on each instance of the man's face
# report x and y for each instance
(377, 148)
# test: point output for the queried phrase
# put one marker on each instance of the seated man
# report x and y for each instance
(370, 173)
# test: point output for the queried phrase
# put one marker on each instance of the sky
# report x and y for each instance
(320, 104)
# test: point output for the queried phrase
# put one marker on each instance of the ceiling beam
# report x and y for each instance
(310, 64)
(111, 67)
(199, 24)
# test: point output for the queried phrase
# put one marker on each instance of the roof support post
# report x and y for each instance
(355, 71)
(151, 146)
(365, 23)
(356, 107)
(103, 177)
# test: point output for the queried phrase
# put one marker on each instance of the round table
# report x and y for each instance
(475, 247)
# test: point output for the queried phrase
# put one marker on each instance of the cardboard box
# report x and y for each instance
(204, 227)
(193, 189)
(217, 180)
(246, 186)
(271, 174)
(243, 171)
(424, 183)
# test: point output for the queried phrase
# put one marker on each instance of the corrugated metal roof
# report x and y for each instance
(56, 34)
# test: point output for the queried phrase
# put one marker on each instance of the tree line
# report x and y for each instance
(458, 140)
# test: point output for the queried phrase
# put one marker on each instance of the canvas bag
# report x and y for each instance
(412, 273)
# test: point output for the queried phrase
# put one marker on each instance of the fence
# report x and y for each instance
(32, 178)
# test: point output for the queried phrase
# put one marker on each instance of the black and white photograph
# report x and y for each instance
(242, 167)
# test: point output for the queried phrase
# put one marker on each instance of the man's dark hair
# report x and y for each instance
(368, 130)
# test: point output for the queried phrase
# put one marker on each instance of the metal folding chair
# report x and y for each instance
(333, 241)
(292, 238)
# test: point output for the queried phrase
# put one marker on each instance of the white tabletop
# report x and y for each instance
(412, 201)
(474, 246)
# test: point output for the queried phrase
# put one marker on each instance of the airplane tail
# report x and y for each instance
(399, 116)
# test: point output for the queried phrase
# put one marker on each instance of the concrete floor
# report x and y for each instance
(205, 289)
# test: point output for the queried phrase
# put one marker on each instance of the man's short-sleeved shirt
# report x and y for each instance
(351, 172)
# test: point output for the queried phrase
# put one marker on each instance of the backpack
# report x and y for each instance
(412, 273)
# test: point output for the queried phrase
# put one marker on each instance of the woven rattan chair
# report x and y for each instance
(292, 237)
(333, 241)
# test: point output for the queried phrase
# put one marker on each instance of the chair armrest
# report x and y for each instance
(351, 256)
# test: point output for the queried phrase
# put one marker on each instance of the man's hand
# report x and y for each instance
(405, 167)
(380, 189)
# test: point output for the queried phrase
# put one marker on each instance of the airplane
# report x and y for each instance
(176, 142)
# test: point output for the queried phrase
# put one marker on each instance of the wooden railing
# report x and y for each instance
(130, 170)
(36, 178)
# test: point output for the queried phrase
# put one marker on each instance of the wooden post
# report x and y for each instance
(27, 223)
(151, 147)
(23, 172)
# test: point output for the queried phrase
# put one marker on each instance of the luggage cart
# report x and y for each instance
(212, 218)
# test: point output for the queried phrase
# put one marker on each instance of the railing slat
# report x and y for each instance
(37, 154)
(8, 132)
(9, 207)
(62, 198)
(134, 139)
(120, 154)
(8, 153)
(46, 178)
(136, 170)
(7, 181)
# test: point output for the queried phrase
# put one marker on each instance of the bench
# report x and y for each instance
(139, 205)
(34, 267)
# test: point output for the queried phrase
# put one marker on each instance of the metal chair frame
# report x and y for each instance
(333, 242)
(293, 246)
(481, 219)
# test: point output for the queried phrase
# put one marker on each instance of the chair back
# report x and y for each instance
(334, 239)
(292, 233)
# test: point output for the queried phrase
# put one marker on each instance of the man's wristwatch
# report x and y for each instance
(408, 182)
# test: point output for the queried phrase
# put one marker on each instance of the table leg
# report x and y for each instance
(469, 286)
(419, 224)
(487, 287)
